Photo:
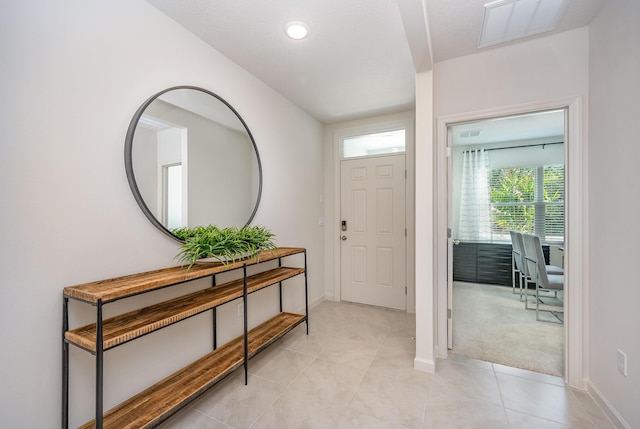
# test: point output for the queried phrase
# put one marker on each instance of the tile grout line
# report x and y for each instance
(315, 357)
(279, 395)
(366, 371)
(424, 408)
(504, 408)
(582, 407)
(538, 416)
(212, 418)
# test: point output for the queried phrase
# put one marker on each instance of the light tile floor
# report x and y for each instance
(355, 370)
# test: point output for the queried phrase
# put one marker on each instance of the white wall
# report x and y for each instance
(614, 71)
(73, 74)
(536, 70)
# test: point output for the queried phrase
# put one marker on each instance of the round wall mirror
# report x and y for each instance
(192, 161)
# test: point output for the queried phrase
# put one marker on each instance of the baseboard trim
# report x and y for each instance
(424, 365)
(317, 302)
(615, 417)
(312, 304)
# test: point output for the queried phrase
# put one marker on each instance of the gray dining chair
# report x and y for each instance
(537, 268)
(518, 266)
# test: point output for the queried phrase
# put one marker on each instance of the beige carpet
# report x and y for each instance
(491, 324)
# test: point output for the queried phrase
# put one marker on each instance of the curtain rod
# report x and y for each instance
(526, 145)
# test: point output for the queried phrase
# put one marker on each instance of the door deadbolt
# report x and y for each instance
(344, 225)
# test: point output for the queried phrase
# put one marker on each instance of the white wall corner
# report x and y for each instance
(329, 296)
(424, 229)
(576, 307)
(314, 303)
(416, 27)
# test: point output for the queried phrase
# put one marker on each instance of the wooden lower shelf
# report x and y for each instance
(158, 402)
(126, 327)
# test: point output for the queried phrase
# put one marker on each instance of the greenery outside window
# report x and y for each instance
(527, 199)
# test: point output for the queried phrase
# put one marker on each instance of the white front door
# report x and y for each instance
(373, 250)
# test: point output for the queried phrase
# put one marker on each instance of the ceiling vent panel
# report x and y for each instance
(506, 20)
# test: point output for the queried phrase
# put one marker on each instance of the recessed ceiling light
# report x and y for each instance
(297, 30)
(506, 20)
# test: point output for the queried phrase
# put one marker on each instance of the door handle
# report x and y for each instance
(343, 238)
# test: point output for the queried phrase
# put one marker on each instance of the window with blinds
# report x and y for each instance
(529, 200)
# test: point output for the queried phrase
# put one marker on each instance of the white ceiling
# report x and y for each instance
(360, 57)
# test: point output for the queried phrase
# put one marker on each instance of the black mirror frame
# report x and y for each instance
(128, 163)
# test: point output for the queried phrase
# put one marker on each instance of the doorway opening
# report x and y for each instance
(506, 174)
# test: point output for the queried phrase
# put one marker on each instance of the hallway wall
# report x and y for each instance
(73, 74)
(614, 88)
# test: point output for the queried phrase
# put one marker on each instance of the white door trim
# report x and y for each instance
(576, 245)
(354, 128)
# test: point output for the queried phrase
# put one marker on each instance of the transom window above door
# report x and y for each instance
(382, 143)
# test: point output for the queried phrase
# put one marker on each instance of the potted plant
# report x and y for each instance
(222, 244)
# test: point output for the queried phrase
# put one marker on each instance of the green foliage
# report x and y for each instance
(512, 185)
(553, 183)
(512, 193)
(554, 193)
(227, 244)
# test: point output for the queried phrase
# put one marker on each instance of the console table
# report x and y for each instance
(156, 403)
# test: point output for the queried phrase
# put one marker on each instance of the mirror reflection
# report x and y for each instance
(191, 160)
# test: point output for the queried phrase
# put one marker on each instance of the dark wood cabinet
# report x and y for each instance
(488, 263)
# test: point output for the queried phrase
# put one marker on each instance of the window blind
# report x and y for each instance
(527, 199)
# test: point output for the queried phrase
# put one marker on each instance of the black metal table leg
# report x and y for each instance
(65, 364)
(99, 366)
(246, 335)
(215, 319)
(306, 292)
(280, 284)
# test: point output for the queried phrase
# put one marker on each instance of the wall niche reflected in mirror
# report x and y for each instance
(192, 161)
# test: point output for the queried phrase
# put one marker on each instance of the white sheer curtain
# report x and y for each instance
(475, 211)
